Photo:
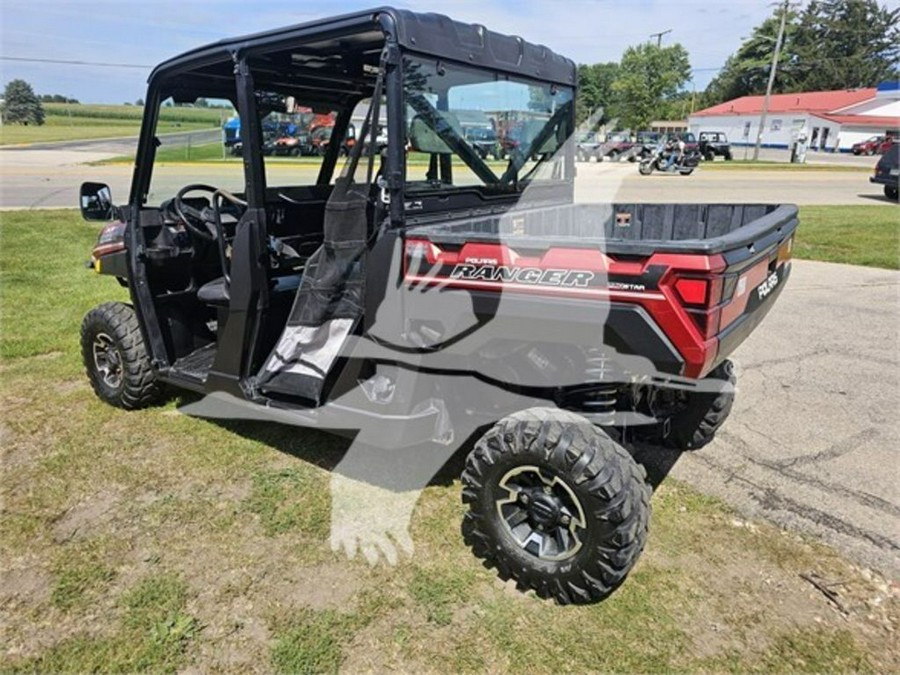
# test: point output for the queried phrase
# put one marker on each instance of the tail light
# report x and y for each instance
(701, 297)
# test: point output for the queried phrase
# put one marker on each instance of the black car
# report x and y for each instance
(714, 143)
(484, 141)
(887, 171)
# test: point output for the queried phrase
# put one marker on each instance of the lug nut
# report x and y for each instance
(547, 490)
(523, 497)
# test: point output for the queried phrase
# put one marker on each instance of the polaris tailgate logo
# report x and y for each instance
(767, 286)
(487, 270)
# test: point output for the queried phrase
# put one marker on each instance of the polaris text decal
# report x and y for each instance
(768, 285)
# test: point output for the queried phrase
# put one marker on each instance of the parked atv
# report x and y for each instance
(415, 301)
(661, 160)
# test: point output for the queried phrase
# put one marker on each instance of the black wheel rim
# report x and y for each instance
(107, 360)
(541, 513)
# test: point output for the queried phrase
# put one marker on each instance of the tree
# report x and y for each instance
(647, 77)
(21, 105)
(832, 44)
(595, 93)
(847, 43)
(139, 102)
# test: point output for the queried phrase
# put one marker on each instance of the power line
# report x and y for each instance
(659, 36)
(75, 63)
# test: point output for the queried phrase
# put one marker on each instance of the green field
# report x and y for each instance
(67, 121)
(153, 541)
(213, 152)
(856, 235)
(765, 165)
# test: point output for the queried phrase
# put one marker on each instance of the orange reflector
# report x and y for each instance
(692, 291)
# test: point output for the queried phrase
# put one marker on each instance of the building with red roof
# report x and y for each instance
(829, 120)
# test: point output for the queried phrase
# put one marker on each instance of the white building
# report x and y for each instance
(831, 120)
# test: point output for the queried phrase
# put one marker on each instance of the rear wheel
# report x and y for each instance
(686, 172)
(697, 422)
(116, 358)
(556, 505)
(890, 192)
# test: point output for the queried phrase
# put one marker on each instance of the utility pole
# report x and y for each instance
(765, 110)
(659, 36)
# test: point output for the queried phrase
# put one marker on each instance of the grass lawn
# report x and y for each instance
(856, 235)
(152, 541)
(66, 122)
(720, 164)
(212, 153)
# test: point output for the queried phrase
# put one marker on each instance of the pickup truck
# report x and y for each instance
(587, 147)
(429, 302)
(618, 145)
(713, 144)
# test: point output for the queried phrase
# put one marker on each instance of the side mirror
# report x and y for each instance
(96, 202)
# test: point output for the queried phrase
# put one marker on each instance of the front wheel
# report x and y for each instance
(645, 168)
(116, 359)
(556, 505)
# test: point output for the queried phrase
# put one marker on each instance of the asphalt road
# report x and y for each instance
(39, 178)
(812, 441)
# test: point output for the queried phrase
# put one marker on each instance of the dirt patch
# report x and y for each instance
(12, 454)
(24, 583)
(86, 517)
(752, 601)
(318, 587)
(237, 641)
(384, 645)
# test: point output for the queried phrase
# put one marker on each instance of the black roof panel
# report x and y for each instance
(431, 34)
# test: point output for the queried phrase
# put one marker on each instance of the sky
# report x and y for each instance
(144, 32)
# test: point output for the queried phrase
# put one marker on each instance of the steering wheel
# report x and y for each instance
(188, 213)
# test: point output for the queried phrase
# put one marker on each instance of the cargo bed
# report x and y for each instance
(681, 283)
(629, 229)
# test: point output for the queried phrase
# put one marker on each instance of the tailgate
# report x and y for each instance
(755, 276)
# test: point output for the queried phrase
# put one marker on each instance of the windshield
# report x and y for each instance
(451, 111)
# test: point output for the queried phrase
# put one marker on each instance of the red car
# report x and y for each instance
(877, 145)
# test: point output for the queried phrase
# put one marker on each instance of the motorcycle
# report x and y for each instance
(659, 161)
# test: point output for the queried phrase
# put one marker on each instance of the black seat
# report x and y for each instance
(215, 292)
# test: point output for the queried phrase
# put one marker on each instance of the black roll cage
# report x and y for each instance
(230, 66)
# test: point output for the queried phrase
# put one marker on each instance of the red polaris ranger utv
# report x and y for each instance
(425, 294)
